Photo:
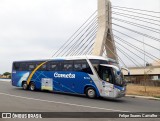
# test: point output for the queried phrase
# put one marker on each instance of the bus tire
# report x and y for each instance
(24, 85)
(32, 86)
(90, 92)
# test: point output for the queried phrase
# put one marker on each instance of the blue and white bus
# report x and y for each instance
(93, 76)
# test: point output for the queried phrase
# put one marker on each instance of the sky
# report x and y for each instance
(35, 29)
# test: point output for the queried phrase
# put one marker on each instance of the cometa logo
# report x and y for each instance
(57, 75)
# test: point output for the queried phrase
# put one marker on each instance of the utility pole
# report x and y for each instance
(104, 37)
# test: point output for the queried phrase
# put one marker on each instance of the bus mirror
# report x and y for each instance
(129, 74)
(118, 72)
(126, 70)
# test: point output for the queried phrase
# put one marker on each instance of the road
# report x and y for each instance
(18, 100)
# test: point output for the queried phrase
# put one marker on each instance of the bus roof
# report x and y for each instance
(72, 58)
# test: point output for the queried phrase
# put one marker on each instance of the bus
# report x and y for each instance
(93, 76)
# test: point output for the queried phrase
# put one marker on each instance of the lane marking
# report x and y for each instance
(63, 103)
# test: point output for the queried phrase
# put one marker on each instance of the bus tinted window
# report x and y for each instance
(31, 66)
(19, 66)
(53, 66)
(96, 61)
(22, 67)
(67, 66)
(16, 66)
(82, 65)
(43, 67)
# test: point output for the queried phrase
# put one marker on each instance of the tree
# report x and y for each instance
(6, 74)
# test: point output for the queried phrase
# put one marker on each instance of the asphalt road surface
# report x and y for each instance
(13, 99)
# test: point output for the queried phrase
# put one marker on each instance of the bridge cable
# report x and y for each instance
(88, 46)
(137, 19)
(125, 54)
(136, 39)
(137, 25)
(145, 35)
(74, 34)
(136, 48)
(76, 44)
(81, 46)
(131, 52)
(115, 55)
(135, 9)
(87, 50)
(70, 49)
(137, 13)
(134, 16)
(88, 26)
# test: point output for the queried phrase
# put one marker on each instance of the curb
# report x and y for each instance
(144, 97)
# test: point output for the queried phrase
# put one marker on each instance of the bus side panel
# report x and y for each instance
(75, 84)
(70, 85)
(18, 77)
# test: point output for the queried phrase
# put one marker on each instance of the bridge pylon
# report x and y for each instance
(104, 42)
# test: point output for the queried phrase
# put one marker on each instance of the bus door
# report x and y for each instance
(107, 75)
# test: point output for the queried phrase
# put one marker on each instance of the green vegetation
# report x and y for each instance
(6, 75)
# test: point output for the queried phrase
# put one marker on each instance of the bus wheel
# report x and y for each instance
(32, 86)
(90, 92)
(24, 85)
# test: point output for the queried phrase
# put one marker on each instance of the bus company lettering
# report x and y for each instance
(57, 75)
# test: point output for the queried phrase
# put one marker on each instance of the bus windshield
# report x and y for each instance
(111, 74)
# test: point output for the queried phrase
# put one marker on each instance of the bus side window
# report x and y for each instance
(22, 67)
(19, 66)
(82, 65)
(87, 70)
(43, 67)
(77, 67)
(53, 66)
(16, 66)
(31, 66)
(67, 66)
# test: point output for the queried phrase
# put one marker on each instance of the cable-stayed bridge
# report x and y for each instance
(130, 36)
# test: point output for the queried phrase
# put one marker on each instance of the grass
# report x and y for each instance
(140, 90)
